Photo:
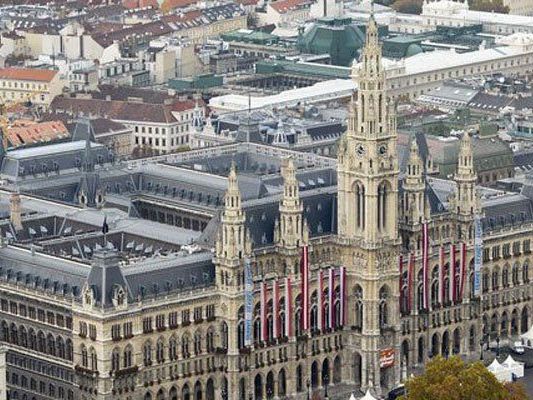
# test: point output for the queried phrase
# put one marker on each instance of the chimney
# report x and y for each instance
(15, 211)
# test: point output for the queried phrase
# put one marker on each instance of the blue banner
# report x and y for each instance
(248, 302)
(478, 255)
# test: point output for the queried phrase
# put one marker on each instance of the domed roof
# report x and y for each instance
(339, 38)
(413, 49)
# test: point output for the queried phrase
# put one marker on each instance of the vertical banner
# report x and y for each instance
(264, 327)
(441, 275)
(400, 268)
(452, 273)
(343, 294)
(425, 250)
(275, 309)
(248, 302)
(331, 297)
(478, 254)
(320, 305)
(305, 288)
(288, 307)
(410, 273)
(463, 271)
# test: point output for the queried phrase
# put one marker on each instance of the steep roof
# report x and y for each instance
(28, 74)
(36, 133)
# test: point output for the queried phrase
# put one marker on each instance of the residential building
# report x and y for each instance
(25, 84)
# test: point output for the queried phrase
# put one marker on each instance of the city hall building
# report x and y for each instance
(248, 271)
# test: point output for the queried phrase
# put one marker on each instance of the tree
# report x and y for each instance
(408, 6)
(496, 6)
(453, 379)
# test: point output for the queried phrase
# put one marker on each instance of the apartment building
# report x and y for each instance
(22, 84)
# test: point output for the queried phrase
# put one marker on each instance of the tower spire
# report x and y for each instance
(290, 208)
(465, 178)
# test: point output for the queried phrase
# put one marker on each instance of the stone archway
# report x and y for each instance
(337, 370)
(445, 348)
(270, 385)
(421, 350)
(524, 320)
(435, 345)
(258, 387)
(210, 390)
(456, 349)
(357, 369)
(314, 374)
(326, 375)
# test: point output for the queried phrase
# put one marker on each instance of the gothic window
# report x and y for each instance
(128, 357)
(435, 286)
(224, 335)
(84, 357)
(240, 334)
(172, 348)
(94, 359)
(359, 308)
(383, 307)
(525, 273)
(160, 351)
(185, 346)
(115, 360)
(360, 203)
(210, 340)
(197, 343)
(147, 353)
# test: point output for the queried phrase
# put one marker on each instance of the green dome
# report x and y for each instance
(339, 38)
(413, 49)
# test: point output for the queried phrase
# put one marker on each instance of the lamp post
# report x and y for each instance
(308, 389)
(326, 382)
(481, 342)
(497, 346)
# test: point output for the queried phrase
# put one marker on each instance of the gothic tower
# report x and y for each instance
(290, 209)
(232, 249)
(368, 222)
(232, 237)
(464, 202)
(413, 200)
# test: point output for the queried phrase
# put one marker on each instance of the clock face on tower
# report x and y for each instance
(360, 149)
(382, 150)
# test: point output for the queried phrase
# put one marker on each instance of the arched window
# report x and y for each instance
(210, 340)
(198, 343)
(185, 346)
(147, 353)
(127, 360)
(172, 349)
(359, 308)
(84, 356)
(383, 307)
(94, 359)
(160, 351)
(115, 359)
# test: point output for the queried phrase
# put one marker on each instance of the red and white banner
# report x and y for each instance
(331, 297)
(463, 270)
(264, 327)
(320, 305)
(452, 272)
(425, 272)
(441, 275)
(343, 295)
(305, 287)
(275, 309)
(288, 307)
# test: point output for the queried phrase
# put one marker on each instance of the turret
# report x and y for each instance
(413, 188)
(465, 177)
(290, 208)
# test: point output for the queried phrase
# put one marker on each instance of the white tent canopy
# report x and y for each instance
(368, 396)
(527, 338)
(515, 367)
(502, 373)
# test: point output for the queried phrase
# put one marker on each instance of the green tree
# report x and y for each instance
(408, 6)
(453, 379)
(496, 6)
